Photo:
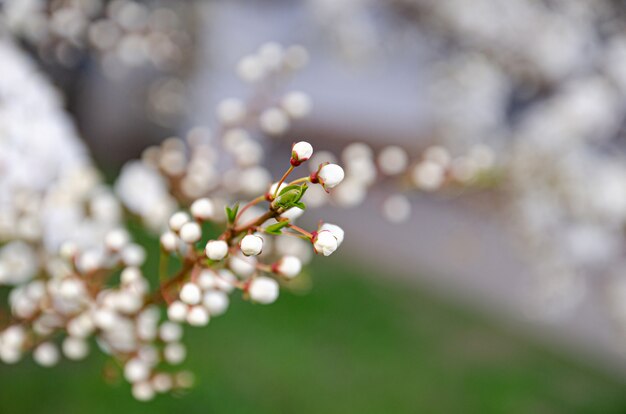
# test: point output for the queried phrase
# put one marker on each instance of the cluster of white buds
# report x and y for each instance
(57, 313)
(269, 62)
(435, 169)
(123, 32)
(183, 170)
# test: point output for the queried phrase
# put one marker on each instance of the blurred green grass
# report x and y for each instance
(355, 343)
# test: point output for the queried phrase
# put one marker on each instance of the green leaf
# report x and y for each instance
(231, 213)
(276, 228)
(290, 196)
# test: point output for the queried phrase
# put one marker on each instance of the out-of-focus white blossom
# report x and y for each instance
(263, 290)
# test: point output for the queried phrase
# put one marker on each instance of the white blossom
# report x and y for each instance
(325, 242)
(251, 245)
(263, 290)
(331, 175)
(216, 249)
(289, 266)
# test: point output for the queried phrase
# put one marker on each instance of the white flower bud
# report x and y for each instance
(143, 391)
(202, 209)
(130, 275)
(89, 261)
(46, 354)
(263, 290)
(226, 280)
(13, 336)
(242, 265)
(68, 250)
(289, 266)
(251, 245)
(325, 242)
(330, 175)
(104, 318)
(174, 353)
(250, 68)
(177, 311)
(335, 230)
(116, 239)
(10, 355)
(428, 175)
(216, 249)
(230, 111)
(271, 55)
(190, 232)
(300, 152)
(191, 294)
(297, 104)
(438, 154)
(393, 160)
(216, 302)
(198, 316)
(75, 348)
(206, 279)
(136, 370)
(133, 255)
(177, 220)
(162, 382)
(81, 326)
(170, 332)
(274, 121)
(169, 241)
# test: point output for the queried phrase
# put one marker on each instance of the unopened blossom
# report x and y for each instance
(177, 220)
(169, 241)
(288, 266)
(170, 332)
(300, 152)
(202, 209)
(393, 160)
(250, 68)
(297, 104)
(116, 239)
(335, 230)
(216, 302)
(263, 290)
(325, 242)
(177, 311)
(190, 232)
(216, 249)
(198, 316)
(251, 245)
(274, 121)
(190, 294)
(231, 111)
(243, 266)
(175, 353)
(133, 255)
(330, 175)
(428, 175)
(46, 354)
(75, 348)
(143, 391)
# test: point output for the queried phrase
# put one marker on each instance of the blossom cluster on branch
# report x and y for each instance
(80, 299)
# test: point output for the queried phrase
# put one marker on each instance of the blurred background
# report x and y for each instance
(508, 297)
